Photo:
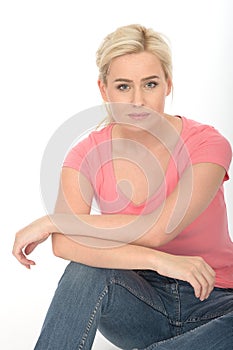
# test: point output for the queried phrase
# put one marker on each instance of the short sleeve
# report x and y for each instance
(76, 157)
(208, 145)
(89, 155)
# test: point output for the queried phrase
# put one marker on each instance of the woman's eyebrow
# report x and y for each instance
(151, 77)
(143, 79)
(123, 79)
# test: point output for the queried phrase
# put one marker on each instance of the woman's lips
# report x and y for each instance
(139, 116)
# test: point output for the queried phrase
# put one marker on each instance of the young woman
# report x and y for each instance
(155, 269)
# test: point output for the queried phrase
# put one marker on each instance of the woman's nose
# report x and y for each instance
(137, 98)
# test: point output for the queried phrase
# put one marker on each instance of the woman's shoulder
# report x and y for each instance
(93, 137)
(102, 134)
(205, 143)
(199, 130)
(194, 125)
(86, 148)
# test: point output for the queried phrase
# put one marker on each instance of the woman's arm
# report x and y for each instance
(190, 198)
(192, 269)
(185, 204)
(129, 256)
(72, 215)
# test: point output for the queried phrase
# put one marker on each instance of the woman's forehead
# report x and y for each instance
(143, 64)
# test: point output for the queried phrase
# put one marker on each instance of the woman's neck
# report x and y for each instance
(166, 130)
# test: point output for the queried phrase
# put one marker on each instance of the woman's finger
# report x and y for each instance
(30, 247)
(202, 279)
(20, 256)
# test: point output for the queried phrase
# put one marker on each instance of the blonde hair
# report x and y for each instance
(129, 39)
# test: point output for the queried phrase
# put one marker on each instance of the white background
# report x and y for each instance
(48, 74)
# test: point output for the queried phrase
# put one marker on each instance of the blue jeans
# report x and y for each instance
(134, 310)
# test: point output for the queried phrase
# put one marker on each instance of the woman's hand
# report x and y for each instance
(191, 269)
(28, 238)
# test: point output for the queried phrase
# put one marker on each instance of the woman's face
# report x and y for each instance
(136, 79)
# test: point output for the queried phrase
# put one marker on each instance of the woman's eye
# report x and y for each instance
(151, 84)
(123, 87)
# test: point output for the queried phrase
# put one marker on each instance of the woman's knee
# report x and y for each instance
(77, 273)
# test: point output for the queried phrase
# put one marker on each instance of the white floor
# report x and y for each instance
(102, 343)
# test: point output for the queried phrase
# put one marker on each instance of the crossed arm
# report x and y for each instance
(190, 198)
(89, 234)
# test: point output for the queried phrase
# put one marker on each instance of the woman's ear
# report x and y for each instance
(169, 86)
(102, 88)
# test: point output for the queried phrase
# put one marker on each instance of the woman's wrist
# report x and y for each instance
(153, 258)
(48, 224)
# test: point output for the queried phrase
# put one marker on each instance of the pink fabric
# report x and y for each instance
(208, 235)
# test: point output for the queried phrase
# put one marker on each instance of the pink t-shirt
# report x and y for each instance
(208, 235)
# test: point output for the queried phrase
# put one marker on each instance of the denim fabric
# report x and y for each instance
(134, 310)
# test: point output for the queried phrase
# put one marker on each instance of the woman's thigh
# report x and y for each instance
(123, 305)
(195, 325)
(133, 309)
(131, 317)
(185, 313)
(196, 313)
(216, 334)
(126, 308)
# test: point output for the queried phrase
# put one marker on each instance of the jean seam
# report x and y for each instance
(208, 317)
(178, 322)
(91, 319)
(155, 345)
(141, 297)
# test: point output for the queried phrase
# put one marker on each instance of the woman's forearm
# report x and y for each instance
(111, 254)
(180, 209)
(132, 257)
(120, 257)
(149, 230)
(103, 229)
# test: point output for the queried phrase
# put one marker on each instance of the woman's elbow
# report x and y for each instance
(56, 245)
(150, 240)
